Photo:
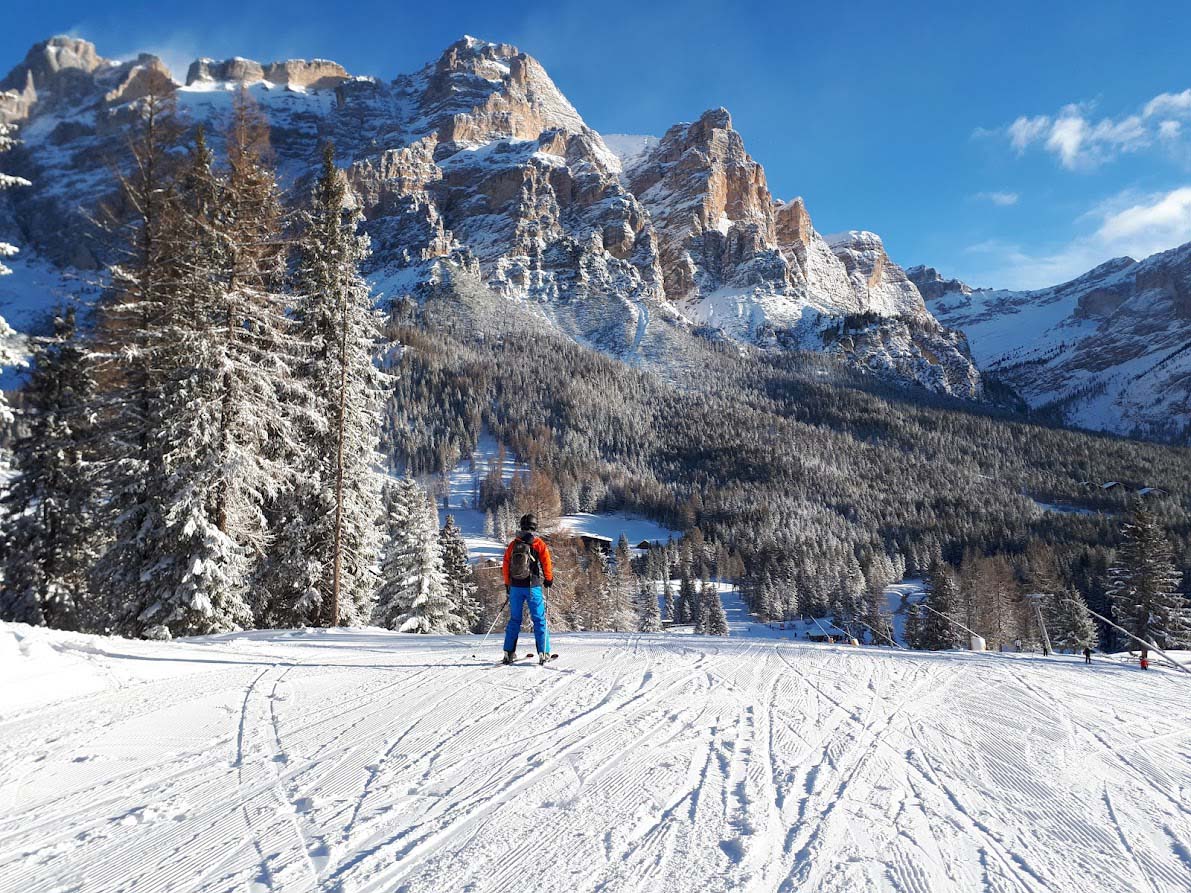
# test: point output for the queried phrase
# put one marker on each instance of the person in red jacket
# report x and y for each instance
(527, 568)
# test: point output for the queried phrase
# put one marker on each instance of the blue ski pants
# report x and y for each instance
(519, 596)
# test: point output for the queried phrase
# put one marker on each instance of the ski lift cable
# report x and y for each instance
(949, 620)
(1120, 628)
(882, 635)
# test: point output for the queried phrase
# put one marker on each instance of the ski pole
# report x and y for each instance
(495, 620)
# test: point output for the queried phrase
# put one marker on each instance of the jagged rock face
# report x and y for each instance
(712, 208)
(1110, 350)
(932, 284)
(318, 74)
(881, 286)
(65, 71)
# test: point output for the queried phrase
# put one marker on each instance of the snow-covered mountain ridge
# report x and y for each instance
(479, 161)
(1110, 350)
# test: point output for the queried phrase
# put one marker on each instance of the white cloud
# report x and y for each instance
(1003, 199)
(1081, 142)
(1163, 221)
(1169, 105)
(1125, 225)
(1025, 131)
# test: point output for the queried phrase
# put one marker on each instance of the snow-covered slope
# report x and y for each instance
(371, 761)
(1110, 350)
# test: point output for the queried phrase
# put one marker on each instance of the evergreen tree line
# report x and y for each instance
(1032, 601)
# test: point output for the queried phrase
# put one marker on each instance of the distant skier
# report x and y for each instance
(1087, 655)
(527, 568)
(1145, 663)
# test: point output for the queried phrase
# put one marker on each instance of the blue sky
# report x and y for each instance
(1012, 144)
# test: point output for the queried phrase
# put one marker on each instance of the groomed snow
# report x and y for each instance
(369, 761)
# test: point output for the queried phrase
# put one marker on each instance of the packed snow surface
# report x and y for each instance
(358, 760)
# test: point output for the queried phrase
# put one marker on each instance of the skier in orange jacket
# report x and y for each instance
(527, 568)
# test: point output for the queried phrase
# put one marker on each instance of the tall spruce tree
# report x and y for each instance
(51, 539)
(937, 633)
(715, 620)
(1068, 622)
(413, 595)
(649, 617)
(461, 583)
(328, 535)
(1144, 584)
(668, 600)
(134, 353)
(688, 599)
(206, 561)
(699, 621)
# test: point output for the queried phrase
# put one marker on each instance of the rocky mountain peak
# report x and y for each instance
(710, 202)
(477, 91)
(478, 161)
(46, 60)
(932, 284)
(68, 70)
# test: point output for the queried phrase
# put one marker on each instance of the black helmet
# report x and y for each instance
(529, 522)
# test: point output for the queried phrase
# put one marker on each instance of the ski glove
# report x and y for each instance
(548, 583)
(508, 589)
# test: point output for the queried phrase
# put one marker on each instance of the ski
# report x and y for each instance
(503, 663)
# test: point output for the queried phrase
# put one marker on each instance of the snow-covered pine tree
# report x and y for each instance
(10, 348)
(874, 618)
(328, 536)
(413, 595)
(787, 599)
(699, 620)
(668, 601)
(51, 539)
(937, 633)
(914, 627)
(648, 614)
(1068, 622)
(461, 584)
(1144, 584)
(715, 620)
(688, 599)
(852, 587)
(136, 357)
(8, 181)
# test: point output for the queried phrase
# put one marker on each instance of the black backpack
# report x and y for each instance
(522, 562)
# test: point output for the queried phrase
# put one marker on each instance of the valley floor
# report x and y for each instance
(364, 760)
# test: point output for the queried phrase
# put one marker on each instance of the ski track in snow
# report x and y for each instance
(359, 761)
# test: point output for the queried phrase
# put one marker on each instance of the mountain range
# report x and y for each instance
(626, 244)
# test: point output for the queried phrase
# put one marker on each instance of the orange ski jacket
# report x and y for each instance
(544, 563)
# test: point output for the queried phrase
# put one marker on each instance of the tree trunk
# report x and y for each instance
(339, 467)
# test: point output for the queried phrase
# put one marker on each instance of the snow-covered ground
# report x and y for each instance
(363, 760)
